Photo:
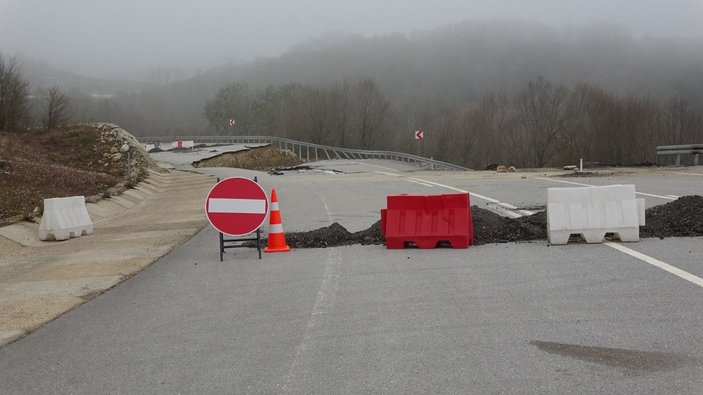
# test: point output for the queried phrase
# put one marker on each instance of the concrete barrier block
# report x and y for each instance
(427, 221)
(640, 211)
(592, 212)
(65, 218)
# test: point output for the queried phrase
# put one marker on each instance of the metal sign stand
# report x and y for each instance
(239, 242)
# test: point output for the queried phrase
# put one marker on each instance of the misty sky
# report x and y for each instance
(114, 38)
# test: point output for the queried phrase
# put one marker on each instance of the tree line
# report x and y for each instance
(541, 125)
(344, 114)
(422, 73)
(20, 109)
(473, 87)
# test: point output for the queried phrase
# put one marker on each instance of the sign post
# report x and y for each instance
(232, 123)
(236, 207)
(419, 136)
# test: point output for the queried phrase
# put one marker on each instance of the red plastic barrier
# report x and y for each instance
(427, 220)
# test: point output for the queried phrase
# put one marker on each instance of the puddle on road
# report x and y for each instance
(636, 361)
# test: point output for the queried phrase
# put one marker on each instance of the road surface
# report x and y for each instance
(501, 318)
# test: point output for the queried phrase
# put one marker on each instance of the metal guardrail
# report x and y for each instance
(678, 150)
(309, 151)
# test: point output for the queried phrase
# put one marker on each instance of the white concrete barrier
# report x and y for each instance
(149, 147)
(592, 212)
(65, 218)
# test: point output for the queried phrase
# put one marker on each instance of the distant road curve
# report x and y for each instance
(309, 151)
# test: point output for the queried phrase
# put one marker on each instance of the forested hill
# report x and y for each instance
(438, 68)
(469, 60)
(468, 82)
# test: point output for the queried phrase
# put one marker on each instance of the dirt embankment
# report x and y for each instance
(256, 158)
(83, 159)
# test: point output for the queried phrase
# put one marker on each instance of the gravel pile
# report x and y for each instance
(680, 218)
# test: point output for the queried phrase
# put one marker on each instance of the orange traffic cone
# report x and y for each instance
(276, 239)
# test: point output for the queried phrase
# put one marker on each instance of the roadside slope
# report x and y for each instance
(39, 281)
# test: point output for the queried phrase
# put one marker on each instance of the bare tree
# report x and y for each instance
(341, 112)
(494, 125)
(371, 111)
(231, 102)
(315, 113)
(680, 121)
(56, 107)
(14, 92)
(542, 110)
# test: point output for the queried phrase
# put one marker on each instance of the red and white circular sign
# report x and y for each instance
(236, 206)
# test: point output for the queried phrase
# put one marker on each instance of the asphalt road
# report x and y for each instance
(502, 318)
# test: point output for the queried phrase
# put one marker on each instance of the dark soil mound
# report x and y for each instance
(253, 158)
(371, 235)
(333, 235)
(681, 218)
(490, 227)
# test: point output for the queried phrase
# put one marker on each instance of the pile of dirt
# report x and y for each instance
(490, 227)
(680, 218)
(335, 235)
(257, 158)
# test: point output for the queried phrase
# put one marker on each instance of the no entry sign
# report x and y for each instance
(236, 206)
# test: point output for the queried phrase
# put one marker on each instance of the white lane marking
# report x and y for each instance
(329, 172)
(565, 182)
(686, 174)
(504, 210)
(510, 206)
(327, 209)
(238, 206)
(380, 167)
(389, 174)
(668, 197)
(324, 303)
(656, 196)
(673, 196)
(419, 182)
(655, 262)
(486, 198)
(301, 367)
(496, 202)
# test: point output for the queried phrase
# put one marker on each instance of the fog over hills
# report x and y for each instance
(448, 65)
(474, 83)
(124, 39)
